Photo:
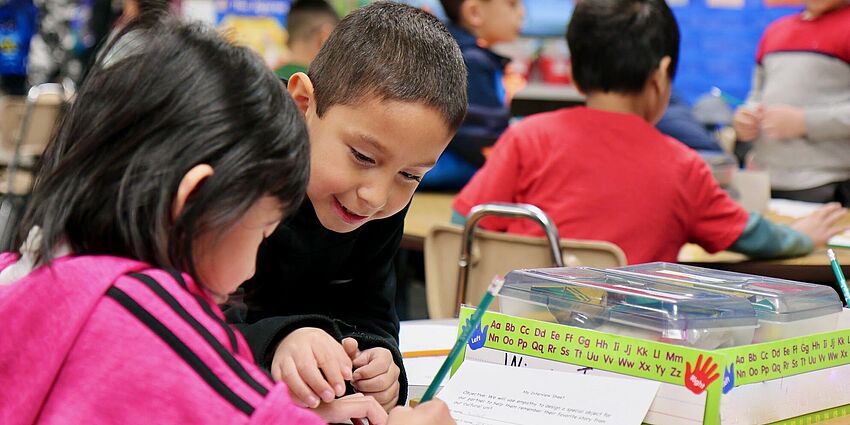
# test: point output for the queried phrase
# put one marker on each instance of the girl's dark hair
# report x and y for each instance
(165, 97)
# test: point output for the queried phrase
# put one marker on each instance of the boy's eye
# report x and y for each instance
(362, 158)
(412, 177)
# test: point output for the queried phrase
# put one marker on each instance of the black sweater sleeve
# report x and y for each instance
(308, 276)
(364, 309)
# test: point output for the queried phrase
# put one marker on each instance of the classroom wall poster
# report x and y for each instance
(258, 24)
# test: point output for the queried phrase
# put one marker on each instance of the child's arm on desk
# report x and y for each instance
(762, 238)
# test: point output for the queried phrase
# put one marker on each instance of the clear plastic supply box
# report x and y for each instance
(785, 308)
(599, 300)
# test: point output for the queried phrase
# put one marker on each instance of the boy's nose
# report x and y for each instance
(374, 196)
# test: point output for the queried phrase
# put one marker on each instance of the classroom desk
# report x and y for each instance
(427, 209)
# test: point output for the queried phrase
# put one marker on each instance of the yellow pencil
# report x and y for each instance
(426, 353)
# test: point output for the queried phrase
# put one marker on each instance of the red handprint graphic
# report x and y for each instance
(700, 377)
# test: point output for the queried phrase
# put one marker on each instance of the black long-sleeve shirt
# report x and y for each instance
(344, 283)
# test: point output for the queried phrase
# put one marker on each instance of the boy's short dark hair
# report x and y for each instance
(452, 9)
(616, 44)
(394, 52)
(305, 16)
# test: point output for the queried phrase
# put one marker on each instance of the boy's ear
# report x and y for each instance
(301, 89)
(657, 90)
(661, 76)
(189, 184)
(470, 13)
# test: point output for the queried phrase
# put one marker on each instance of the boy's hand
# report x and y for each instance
(303, 357)
(375, 373)
(820, 225)
(355, 406)
(434, 412)
(783, 122)
(747, 124)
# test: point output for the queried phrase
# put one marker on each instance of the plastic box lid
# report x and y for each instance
(590, 298)
(776, 300)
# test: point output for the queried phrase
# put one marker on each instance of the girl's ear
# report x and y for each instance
(191, 182)
(301, 89)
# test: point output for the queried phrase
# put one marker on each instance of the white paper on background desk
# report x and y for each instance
(489, 394)
(792, 208)
(841, 240)
(800, 209)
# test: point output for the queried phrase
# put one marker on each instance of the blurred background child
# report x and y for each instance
(477, 25)
(798, 112)
(309, 23)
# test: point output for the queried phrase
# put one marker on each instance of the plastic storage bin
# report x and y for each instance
(785, 308)
(603, 301)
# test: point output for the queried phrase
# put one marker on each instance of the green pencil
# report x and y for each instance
(839, 275)
(492, 290)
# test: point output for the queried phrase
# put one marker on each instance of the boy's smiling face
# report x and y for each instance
(367, 159)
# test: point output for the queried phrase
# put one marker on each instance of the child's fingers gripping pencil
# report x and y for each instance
(492, 290)
(839, 275)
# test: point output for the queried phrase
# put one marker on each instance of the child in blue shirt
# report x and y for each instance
(476, 24)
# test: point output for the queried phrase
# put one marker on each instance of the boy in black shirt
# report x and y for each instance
(384, 97)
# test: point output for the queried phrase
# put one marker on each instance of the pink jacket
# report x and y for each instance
(110, 340)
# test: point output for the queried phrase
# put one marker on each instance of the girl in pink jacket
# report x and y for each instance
(179, 155)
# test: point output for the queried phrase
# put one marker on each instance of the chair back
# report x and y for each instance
(496, 253)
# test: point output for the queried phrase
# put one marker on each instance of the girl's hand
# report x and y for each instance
(355, 406)
(301, 360)
(434, 412)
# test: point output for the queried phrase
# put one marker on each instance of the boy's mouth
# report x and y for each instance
(346, 215)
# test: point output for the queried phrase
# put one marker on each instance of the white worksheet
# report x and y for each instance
(490, 394)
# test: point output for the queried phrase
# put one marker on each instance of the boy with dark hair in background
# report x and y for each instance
(604, 172)
(308, 25)
(476, 25)
(383, 98)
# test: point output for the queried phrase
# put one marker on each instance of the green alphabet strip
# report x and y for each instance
(619, 354)
(772, 360)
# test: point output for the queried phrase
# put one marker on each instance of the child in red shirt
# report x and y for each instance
(604, 172)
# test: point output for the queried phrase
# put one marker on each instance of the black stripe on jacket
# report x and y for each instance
(180, 349)
(206, 307)
(222, 352)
